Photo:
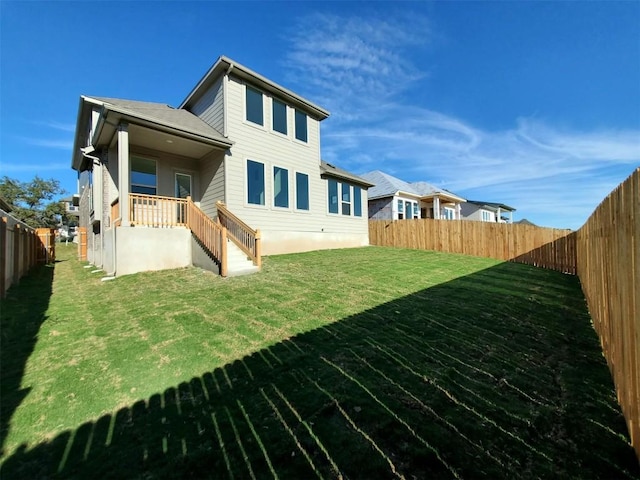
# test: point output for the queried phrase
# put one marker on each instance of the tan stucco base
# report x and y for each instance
(141, 249)
(274, 243)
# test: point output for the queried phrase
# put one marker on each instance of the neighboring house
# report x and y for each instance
(524, 221)
(240, 149)
(72, 205)
(393, 199)
(487, 211)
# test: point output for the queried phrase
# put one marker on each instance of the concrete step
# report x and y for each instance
(237, 261)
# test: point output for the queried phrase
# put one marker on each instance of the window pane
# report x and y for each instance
(254, 106)
(301, 126)
(279, 117)
(333, 196)
(280, 187)
(255, 182)
(143, 176)
(183, 185)
(346, 199)
(302, 191)
(357, 201)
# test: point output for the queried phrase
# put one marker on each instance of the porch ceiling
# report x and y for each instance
(167, 142)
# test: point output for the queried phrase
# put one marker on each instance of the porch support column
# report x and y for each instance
(458, 211)
(123, 172)
(499, 214)
(436, 207)
(510, 217)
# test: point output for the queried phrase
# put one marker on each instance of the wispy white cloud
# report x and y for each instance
(66, 144)
(64, 127)
(359, 69)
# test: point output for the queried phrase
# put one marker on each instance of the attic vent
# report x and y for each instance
(329, 165)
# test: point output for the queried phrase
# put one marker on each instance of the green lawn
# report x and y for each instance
(362, 363)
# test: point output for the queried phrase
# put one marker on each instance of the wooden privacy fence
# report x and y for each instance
(22, 248)
(543, 247)
(608, 255)
(604, 253)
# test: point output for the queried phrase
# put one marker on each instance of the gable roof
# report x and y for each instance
(493, 206)
(225, 65)
(327, 169)
(387, 185)
(164, 114)
(427, 189)
(158, 116)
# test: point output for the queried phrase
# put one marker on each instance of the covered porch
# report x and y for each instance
(441, 206)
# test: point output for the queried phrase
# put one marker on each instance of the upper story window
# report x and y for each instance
(357, 201)
(301, 126)
(279, 116)
(280, 187)
(302, 191)
(143, 176)
(253, 105)
(255, 183)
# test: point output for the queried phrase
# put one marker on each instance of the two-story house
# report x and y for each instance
(236, 166)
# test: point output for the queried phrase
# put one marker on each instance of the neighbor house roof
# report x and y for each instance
(426, 189)
(225, 65)
(492, 205)
(158, 116)
(327, 169)
(387, 185)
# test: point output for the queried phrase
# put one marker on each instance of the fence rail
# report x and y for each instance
(242, 234)
(608, 256)
(542, 247)
(22, 248)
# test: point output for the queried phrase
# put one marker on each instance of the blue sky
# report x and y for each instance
(532, 104)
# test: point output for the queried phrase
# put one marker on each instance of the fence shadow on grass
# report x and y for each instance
(22, 312)
(494, 375)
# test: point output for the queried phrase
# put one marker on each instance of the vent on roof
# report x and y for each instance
(329, 165)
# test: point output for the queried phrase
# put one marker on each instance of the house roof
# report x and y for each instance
(427, 189)
(492, 205)
(330, 170)
(524, 221)
(387, 185)
(225, 65)
(158, 116)
(4, 205)
(164, 114)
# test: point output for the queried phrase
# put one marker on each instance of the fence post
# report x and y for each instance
(16, 253)
(258, 249)
(223, 252)
(3, 256)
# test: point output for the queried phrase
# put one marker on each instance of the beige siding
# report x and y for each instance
(273, 149)
(212, 182)
(210, 106)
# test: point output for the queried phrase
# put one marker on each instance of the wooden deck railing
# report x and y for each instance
(115, 213)
(157, 211)
(211, 235)
(241, 234)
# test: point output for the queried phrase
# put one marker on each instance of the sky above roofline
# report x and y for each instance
(531, 104)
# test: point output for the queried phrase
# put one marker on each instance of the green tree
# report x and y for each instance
(32, 202)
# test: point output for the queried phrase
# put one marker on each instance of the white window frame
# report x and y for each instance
(489, 216)
(286, 116)
(295, 128)
(400, 208)
(142, 157)
(273, 187)
(244, 105)
(246, 184)
(449, 213)
(295, 192)
(328, 198)
(349, 202)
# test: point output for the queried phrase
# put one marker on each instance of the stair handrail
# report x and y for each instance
(212, 235)
(245, 237)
